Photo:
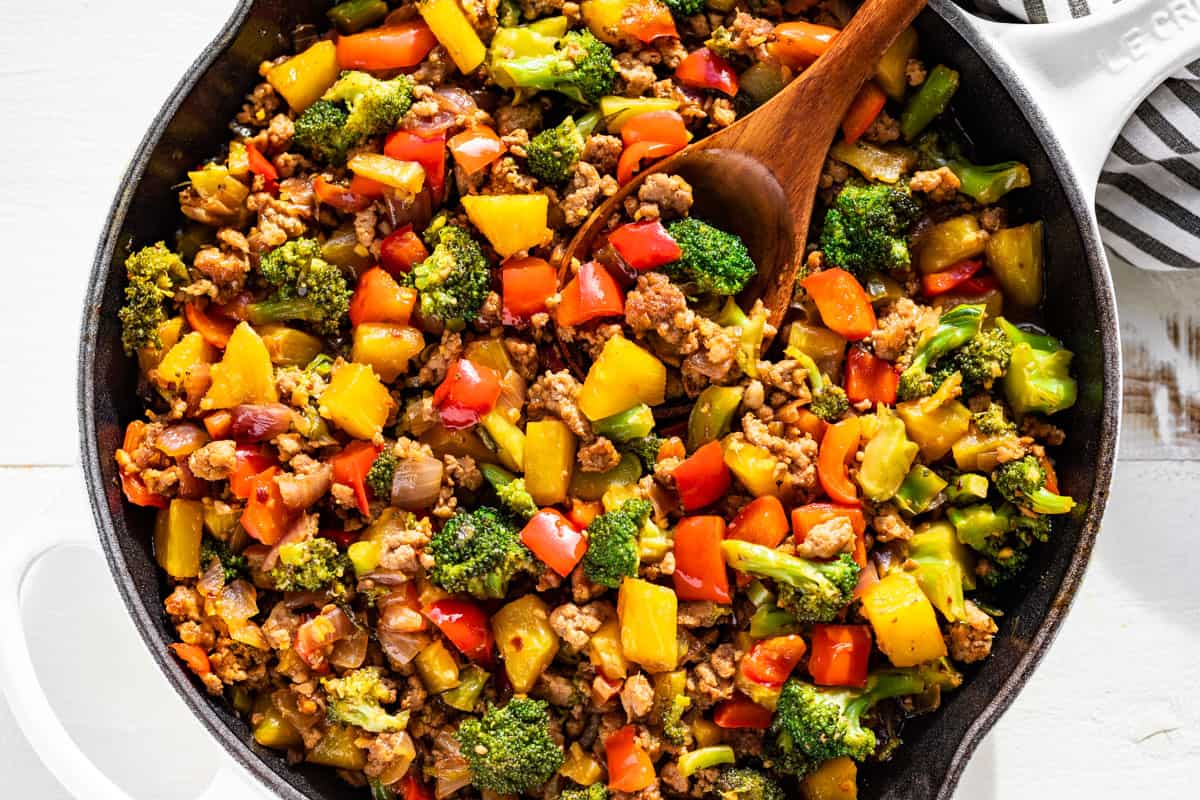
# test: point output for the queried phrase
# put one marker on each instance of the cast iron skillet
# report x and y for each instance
(1079, 308)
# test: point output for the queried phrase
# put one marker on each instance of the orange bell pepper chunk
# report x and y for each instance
(629, 766)
(838, 446)
(863, 110)
(378, 298)
(840, 654)
(843, 303)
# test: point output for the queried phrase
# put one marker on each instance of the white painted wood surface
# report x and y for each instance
(1112, 712)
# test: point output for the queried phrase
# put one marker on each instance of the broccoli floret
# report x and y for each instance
(553, 153)
(478, 553)
(685, 8)
(646, 449)
(991, 421)
(984, 183)
(597, 791)
(454, 281)
(612, 553)
(154, 274)
(955, 328)
(357, 698)
(581, 67)
(829, 401)
(721, 41)
(374, 105)
(307, 288)
(233, 565)
(866, 229)
(1002, 536)
(980, 361)
(310, 566)
(673, 726)
(320, 132)
(823, 723)
(510, 750)
(1038, 379)
(812, 591)
(1023, 483)
(747, 783)
(511, 491)
(712, 261)
(380, 475)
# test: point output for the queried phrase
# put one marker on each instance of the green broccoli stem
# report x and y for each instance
(353, 16)
(988, 183)
(918, 491)
(815, 380)
(496, 476)
(283, 309)
(1043, 501)
(768, 563)
(930, 100)
(968, 487)
(704, 758)
(731, 315)
(632, 423)
(884, 685)
(770, 621)
(955, 328)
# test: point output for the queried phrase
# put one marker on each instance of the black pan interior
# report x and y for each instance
(1004, 125)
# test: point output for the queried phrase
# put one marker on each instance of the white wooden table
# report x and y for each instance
(1112, 712)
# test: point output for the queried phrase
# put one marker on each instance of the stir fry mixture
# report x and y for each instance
(436, 517)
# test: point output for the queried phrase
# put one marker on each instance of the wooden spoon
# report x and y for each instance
(758, 177)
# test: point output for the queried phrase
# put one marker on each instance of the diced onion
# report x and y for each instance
(402, 648)
(260, 422)
(181, 440)
(416, 483)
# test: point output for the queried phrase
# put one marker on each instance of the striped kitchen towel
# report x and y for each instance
(1148, 200)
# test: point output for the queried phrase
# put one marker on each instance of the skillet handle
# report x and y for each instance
(1090, 74)
(27, 699)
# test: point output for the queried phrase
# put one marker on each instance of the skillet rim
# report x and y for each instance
(1104, 299)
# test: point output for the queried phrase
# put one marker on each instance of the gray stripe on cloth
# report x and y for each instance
(1154, 200)
(1153, 247)
(1179, 166)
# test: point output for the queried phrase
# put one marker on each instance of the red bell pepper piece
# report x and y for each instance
(429, 152)
(647, 20)
(771, 661)
(629, 766)
(843, 303)
(466, 626)
(981, 282)
(863, 110)
(378, 298)
(704, 69)
(411, 788)
(214, 328)
(265, 517)
(591, 294)
(838, 446)
(582, 512)
(392, 47)
(700, 572)
(702, 478)
(525, 284)
(401, 250)
(350, 468)
(468, 391)
(259, 165)
(645, 245)
(840, 654)
(805, 517)
(633, 155)
(941, 282)
(249, 461)
(869, 377)
(343, 538)
(761, 521)
(194, 656)
(343, 198)
(475, 148)
(367, 187)
(798, 44)
(740, 711)
(554, 540)
(137, 493)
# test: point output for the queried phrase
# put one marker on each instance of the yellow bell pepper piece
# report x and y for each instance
(904, 621)
(490, 353)
(289, 347)
(364, 556)
(405, 176)
(178, 529)
(508, 438)
(549, 460)
(511, 222)
(337, 748)
(648, 624)
(356, 401)
(623, 376)
(244, 374)
(386, 347)
(303, 78)
(603, 18)
(188, 353)
(616, 111)
(214, 182)
(756, 467)
(836, 779)
(949, 242)
(936, 422)
(605, 653)
(437, 667)
(274, 731)
(454, 32)
(1015, 256)
(525, 639)
(891, 72)
(168, 334)
(707, 733)
(580, 767)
